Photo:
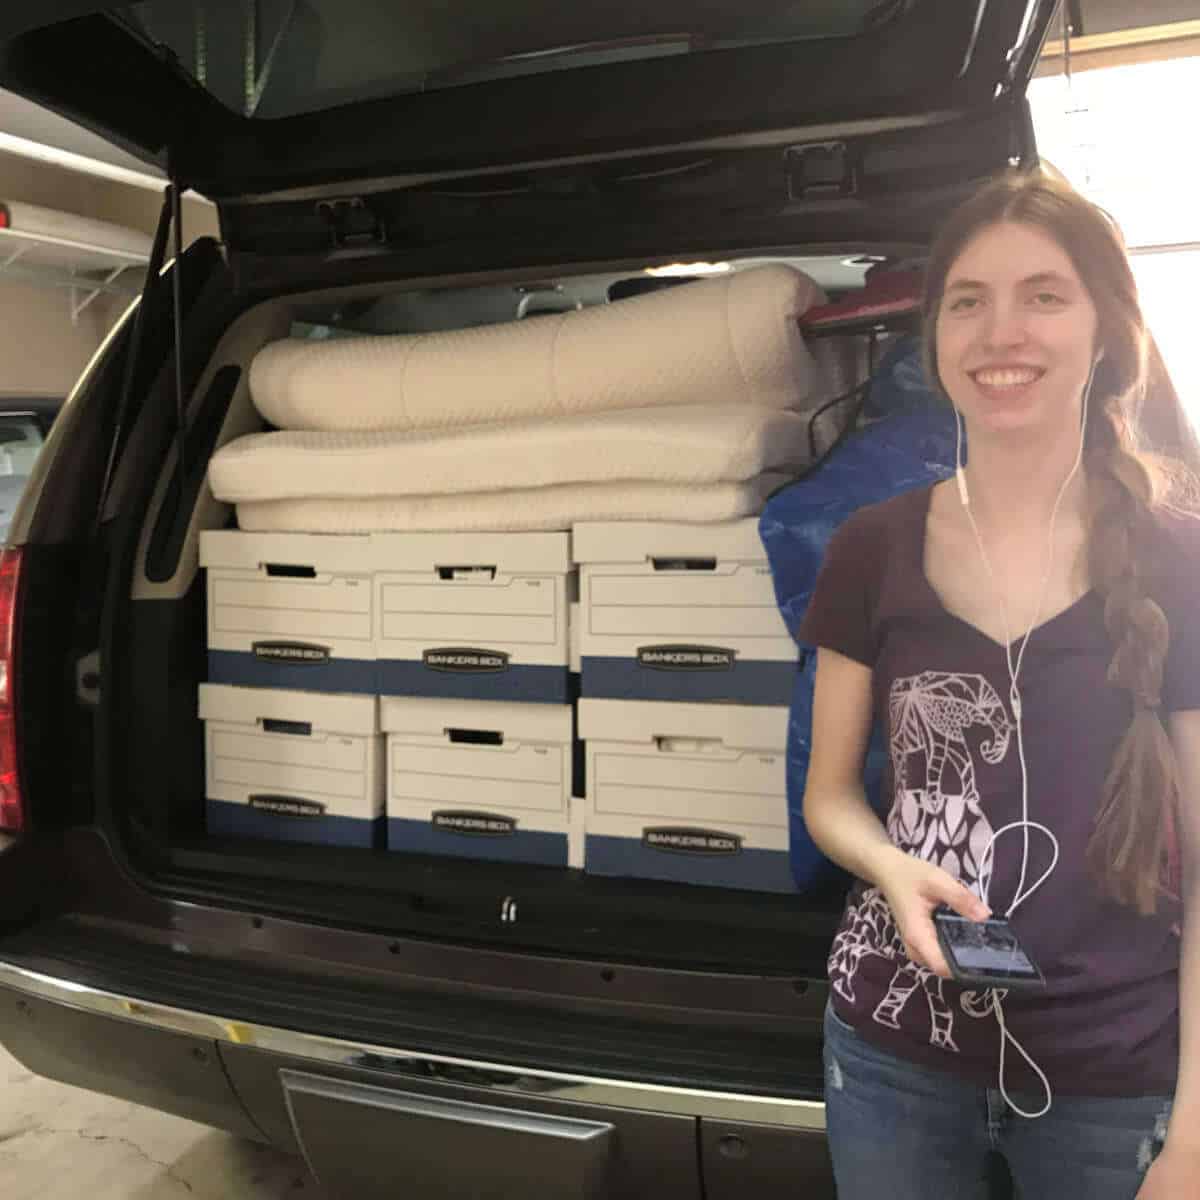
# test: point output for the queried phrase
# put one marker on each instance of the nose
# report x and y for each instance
(1004, 326)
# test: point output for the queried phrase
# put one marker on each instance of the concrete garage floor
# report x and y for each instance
(62, 1143)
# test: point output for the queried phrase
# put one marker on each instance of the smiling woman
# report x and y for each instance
(1012, 342)
(1022, 635)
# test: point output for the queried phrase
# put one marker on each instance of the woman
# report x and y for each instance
(1029, 635)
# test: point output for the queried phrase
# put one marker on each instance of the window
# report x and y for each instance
(20, 441)
(1121, 136)
(274, 58)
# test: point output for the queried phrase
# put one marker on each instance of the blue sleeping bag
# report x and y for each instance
(908, 444)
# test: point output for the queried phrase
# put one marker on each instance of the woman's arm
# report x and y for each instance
(1176, 1169)
(836, 811)
(843, 825)
(1185, 1119)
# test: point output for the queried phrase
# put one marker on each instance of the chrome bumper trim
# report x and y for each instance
(407, 1066)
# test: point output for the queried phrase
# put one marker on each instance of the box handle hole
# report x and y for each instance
(295, 728)
(687, 745)
(476, 737)
(478, 574)
(290, 571)
(684, 564)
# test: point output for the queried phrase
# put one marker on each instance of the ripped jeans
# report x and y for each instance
(905, 1132)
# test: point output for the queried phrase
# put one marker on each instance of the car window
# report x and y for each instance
(21, 440)
(288, 58)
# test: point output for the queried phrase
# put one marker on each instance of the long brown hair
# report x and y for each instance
(1135, 825)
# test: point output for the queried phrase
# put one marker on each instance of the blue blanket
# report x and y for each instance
(909, 443)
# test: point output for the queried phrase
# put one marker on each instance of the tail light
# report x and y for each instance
(12, 803)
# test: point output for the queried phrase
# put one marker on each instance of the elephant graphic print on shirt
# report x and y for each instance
(935, 815)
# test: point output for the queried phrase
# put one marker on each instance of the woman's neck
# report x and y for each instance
(1014, 485)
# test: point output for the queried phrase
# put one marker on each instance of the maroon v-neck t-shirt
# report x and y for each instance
(1107, 1022)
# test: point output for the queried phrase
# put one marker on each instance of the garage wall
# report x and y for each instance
(41, 352)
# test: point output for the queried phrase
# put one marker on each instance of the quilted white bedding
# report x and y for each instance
(692, 444)
(557, 507)
(730, 339)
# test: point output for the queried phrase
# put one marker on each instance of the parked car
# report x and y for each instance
(454, 1028)
(24, 423)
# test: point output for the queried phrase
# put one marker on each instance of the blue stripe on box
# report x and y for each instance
(240, 820)
(522, 845)
(752, 869)
(242, 669)
(746, 682)
(409, 677)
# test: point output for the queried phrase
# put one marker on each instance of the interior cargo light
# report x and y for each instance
(698, 268)
(12, 803)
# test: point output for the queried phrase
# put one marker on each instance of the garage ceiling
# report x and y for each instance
(1113, 33)
(1113, 16)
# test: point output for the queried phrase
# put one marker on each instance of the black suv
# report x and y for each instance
(454, 1028)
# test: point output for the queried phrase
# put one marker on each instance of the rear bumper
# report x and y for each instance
(23, 984)
(366, 1116)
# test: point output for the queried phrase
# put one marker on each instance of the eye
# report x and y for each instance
(963, 304)
(1049, 300)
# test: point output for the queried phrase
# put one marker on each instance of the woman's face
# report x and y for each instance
(1015, 333)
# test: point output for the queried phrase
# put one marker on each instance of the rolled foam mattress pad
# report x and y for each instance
(735, 337)
(692, 444)
(546, 508)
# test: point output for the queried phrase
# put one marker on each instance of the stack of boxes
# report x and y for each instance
(291, 721)
(452, 648)
(473, 646)
(687, 671)
(415, 690)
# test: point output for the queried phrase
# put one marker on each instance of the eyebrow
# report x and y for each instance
(1029, 281)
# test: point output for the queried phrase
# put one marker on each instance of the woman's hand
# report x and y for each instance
(914, 888)
(1174, 1174)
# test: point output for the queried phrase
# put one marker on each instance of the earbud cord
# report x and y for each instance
(1014, 670)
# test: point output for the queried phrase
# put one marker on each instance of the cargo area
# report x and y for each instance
(562, 733)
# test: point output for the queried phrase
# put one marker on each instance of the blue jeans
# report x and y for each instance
(906, 1132)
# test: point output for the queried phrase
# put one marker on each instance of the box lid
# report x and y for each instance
(637, 541)
(519, 722)
(507, 553)
(325, 553)
(327, 712)
(737, 726)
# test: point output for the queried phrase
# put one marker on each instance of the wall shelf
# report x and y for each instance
(89, 258)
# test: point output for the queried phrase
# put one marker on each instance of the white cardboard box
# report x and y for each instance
(680, 612)
(481, 779)
(289, 610)
(293, 766)
(474, 616)
(695, 793)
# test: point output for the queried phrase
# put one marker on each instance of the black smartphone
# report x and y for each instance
(985, 953)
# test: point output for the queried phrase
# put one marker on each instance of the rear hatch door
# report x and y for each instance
(308, 120)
